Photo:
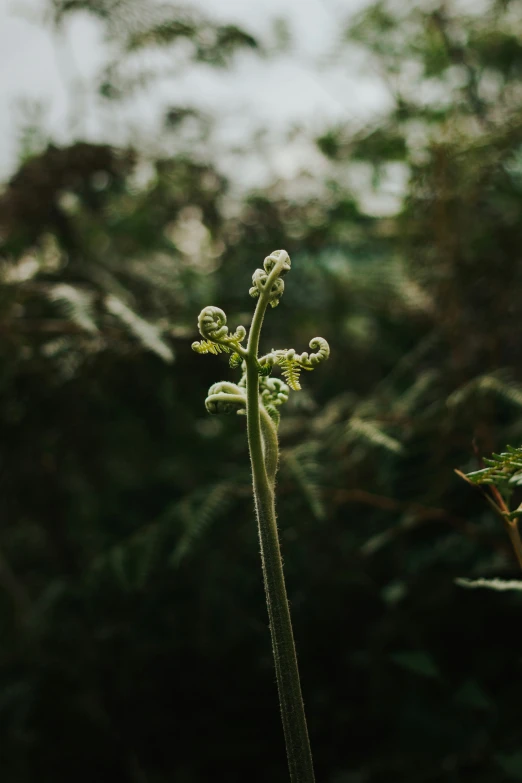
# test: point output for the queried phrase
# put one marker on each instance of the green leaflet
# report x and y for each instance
(208, 346)
(500, 468)
(291, 371)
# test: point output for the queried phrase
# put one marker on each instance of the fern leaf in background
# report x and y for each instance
(498, 384)
(76, 305)
(372, 434)
(147, 334)
(198, 516)
(303, 464)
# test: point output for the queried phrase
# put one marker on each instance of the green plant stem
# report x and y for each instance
(271, 447)
(292, 708)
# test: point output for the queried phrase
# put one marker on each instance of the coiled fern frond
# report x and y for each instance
(273, 394)
(260, 277)
(212, 324)
(292, 363)
(224, 397)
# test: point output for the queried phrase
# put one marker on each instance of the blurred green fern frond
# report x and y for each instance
(497, 383)
(370, 432)
(490, 584)
(415, 395)
(130, 562)
(146, 333)
(302, 462)
(76, 305)
(198, 516)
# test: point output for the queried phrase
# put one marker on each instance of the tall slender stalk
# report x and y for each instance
(293, 715)
(260, 396)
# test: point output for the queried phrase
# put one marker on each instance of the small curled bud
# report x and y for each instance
(279, 259)
(269, 359)
(259, 280)
(274, 391)
(235, 360)
(276, 292)
(308, 362)
(292, 363)
(264, 370)
(212, 324)
(276, 256)
(225, 397)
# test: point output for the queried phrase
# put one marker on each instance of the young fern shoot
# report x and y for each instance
(260, 396)
(502, 474)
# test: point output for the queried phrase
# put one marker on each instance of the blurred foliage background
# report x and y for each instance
(134, 640)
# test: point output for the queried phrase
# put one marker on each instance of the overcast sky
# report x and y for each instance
(298, 87)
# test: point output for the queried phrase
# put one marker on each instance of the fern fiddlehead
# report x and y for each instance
(225, 397)
(212, 325)
(292, 363)
(260, 395)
